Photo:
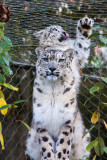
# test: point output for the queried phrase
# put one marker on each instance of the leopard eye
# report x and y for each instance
(61, 60)
(45, 59)
(54, 29)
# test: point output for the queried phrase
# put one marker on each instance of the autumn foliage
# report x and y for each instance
(4, 13)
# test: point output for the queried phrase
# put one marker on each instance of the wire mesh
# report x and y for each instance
(28, 16)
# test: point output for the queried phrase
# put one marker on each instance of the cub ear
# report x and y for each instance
(69, 53)
(38, 34)
(38, 52)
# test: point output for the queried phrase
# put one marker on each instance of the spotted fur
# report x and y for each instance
(57, 127)
(57, 38)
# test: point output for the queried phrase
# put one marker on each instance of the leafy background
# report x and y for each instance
(28, 16)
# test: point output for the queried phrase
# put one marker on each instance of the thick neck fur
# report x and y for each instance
(58, 86)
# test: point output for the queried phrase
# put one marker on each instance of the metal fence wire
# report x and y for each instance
(29, 16)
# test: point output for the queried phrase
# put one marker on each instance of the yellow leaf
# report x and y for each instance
(1, 137)
(2, 103)
(105, 103)
(1, 94)
(24, 124)
(2, 141)
(10, 86)
(0, 128)
(105, 124)
(94, 158)
(95, 117)
(26, 8)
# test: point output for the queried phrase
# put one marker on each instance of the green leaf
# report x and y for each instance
(96, 142)
(88, 131)
(96, 61)
(5, 46)
(10, 86)
(2, 24)
(93, 35)
(5, 60)
(93, 45)
(14, 106)
(2, 62)
(94, 89)
(1, 50)
(6, 54)
(25, 124)
(104, 79)
(2, 79)
(88, 76)
(102, 145)
(103, 39)
(90, 145)
(20, 101)
(105, 149)
(8, 40)
(95, 27)
(0, 127)
(100, 85)
(5, 106)
(1, 33)
(7, 70)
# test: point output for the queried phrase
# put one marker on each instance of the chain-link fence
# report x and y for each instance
(28, 16)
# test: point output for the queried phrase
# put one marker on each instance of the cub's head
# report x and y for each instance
(53, 64)
(52, 35)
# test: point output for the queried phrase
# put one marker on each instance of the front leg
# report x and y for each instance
(63, 144)
(84, 30)
(46, 144)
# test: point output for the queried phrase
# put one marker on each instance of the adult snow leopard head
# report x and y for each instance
(53, 63)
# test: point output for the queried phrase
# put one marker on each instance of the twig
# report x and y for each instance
(33, 67)
(3, 1)
(99, 104)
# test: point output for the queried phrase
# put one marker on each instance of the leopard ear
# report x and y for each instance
(38, 34)
(69, 53)
(38, 52)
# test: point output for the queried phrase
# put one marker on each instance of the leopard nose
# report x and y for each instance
(64, 33)
(52, 69)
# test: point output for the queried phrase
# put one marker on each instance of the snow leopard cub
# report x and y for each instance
(57, 126)
(57, 38)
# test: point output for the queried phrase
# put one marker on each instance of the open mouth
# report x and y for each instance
(53, 74)
(64, 36)
(52, 77)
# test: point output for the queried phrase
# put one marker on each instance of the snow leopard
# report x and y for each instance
(57, 125)
(56, 37)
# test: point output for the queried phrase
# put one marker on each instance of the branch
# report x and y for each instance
(99, 105)
(33, 67)
(23, 65)
(4, 2)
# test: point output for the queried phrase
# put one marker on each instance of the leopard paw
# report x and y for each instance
(84, 26)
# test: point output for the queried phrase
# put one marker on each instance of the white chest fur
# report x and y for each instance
(55, 103)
